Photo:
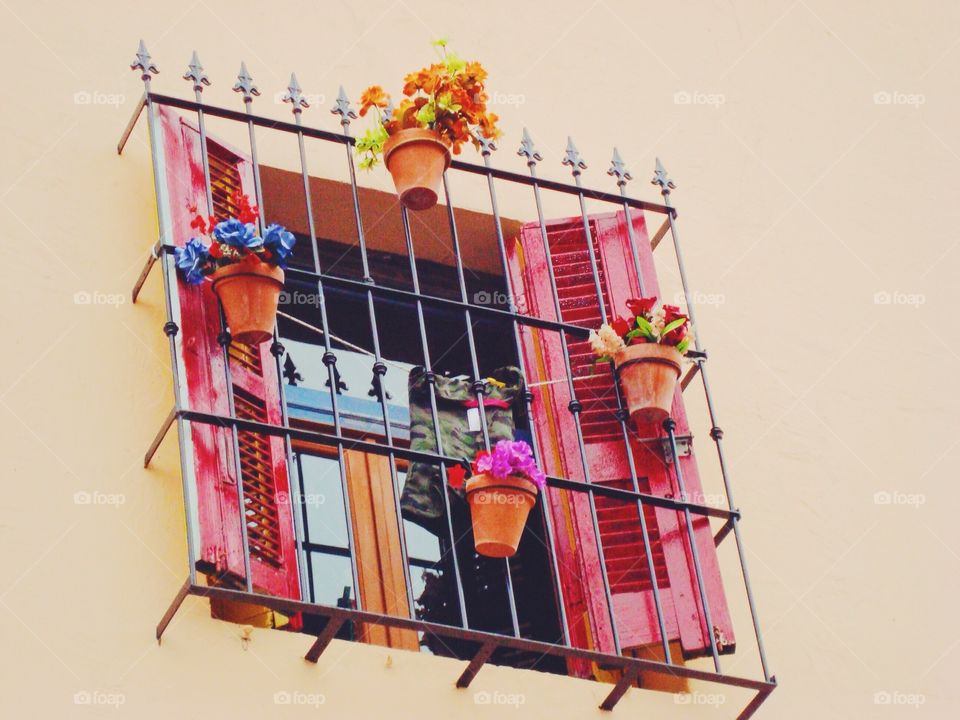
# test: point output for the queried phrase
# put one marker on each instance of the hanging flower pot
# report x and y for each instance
(249, 292)
(500, 492)
(246, 269)
(416, 158)
(646, 350)
(444, 107)
(648, 376)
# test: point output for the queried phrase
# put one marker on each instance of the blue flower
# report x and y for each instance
(192, 260)
(237, 234)
(279, 241)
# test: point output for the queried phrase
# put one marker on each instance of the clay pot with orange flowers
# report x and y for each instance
(246, 269)
(646, 349)
(444, 107)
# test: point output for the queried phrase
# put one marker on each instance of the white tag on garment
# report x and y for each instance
(473, 419)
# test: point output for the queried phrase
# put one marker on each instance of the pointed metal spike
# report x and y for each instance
(619, 169)
(572, 157)
(528, 150)
(661, 178)
(195, 73)
(143, 62)
(342, 107)
(294, 95)
(245, 84)
(487, 145)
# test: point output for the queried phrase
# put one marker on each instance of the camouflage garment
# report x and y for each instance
(422, 498)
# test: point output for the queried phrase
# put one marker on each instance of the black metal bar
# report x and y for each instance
(659, 234)
(329, 361)
(476, 662)
(666, 185)
(478, 384)
(145, 65)
(346, 139)
(185, 589)
(434, 414)
(670, 426)
(575, 407)
(342, 108)
(628, 678)
(134, 117)
(195, 74)
(365, 446)
(323, 639)
(487, 146)
(305, 539)
(147, 267)
(723, 532)
(623, 175)
(289, 607)
(158, 438)
(757, 701)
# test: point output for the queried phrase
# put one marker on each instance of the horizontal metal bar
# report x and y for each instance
(147, 267)
(345, 552)
(289, 127)
(619, 690)
(290, 607)
(323, 639)
(161, 434)
(186, 589)
(476, 662)
(131, 124)
(333, 440)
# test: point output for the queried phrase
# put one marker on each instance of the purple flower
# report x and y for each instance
(237, 234)
(509, 457)
(279, 241)
(192, 260)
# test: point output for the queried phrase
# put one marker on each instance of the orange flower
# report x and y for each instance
(373, 96)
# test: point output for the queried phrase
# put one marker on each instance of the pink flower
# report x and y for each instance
(510, 457)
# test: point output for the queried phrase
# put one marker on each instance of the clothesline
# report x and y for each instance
(397, 365)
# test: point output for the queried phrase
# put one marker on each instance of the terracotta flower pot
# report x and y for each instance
(648, 376)
(499, 510)
(249, 292)
(416, 158)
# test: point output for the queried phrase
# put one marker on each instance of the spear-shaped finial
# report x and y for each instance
(528, 150)
(342, 107)
(195, 73)
(618, 169)
(487, 144)
(572, 157)
(144, 63)
(245, 84)
(294, 96)
(661, 178)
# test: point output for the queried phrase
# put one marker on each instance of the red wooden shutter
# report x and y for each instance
(626, 562)
(263, 461)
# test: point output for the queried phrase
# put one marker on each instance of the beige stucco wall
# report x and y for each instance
(815, 145)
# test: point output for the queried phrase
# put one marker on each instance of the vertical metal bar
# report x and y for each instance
(621, 414)
(666, 185)
(431, 382)
(305, 540)
(145, 65)
(670, 426)
(478, 384)
(342, 108)
(195, 74)
(330, 361)
(574, 406)
(622, 176)
(487, 146)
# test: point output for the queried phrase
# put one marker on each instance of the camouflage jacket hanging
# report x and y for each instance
(422, 498)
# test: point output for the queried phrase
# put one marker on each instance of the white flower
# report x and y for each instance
(605, 341)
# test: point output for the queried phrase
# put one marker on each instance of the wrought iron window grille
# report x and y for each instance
(674, 446)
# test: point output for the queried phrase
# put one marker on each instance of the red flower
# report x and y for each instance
(455, 476)
(675, 336)
(639, 340)
(621, 326)
(641, 306)
(246, 213)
